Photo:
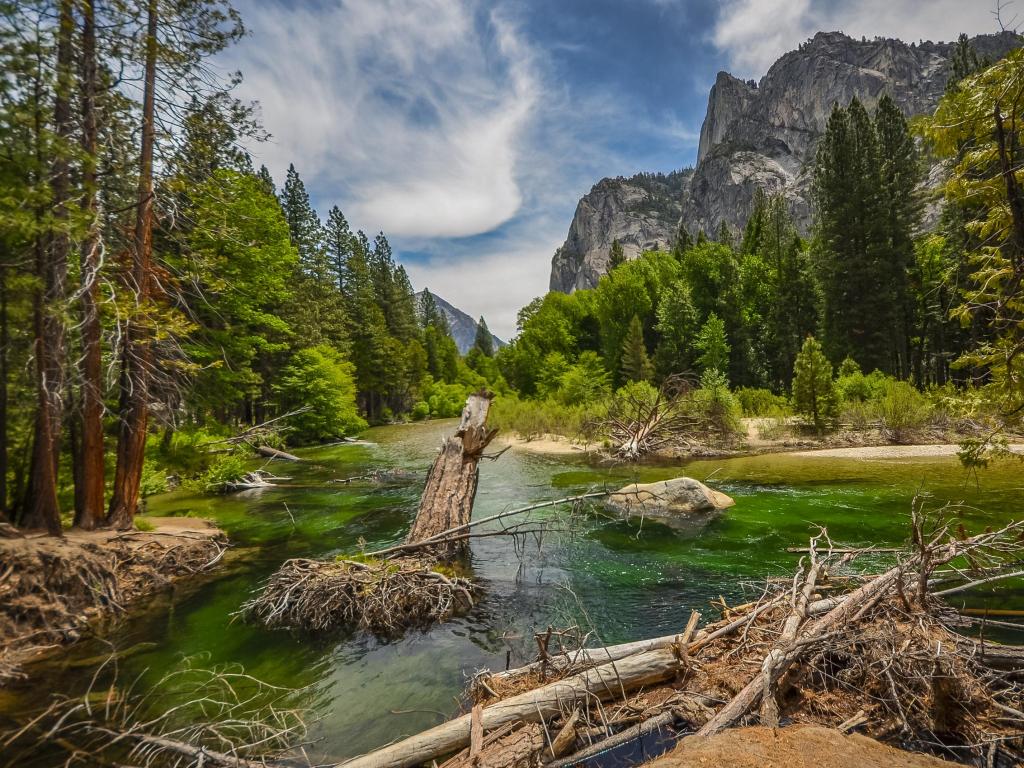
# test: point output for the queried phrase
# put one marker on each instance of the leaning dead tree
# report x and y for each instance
(881, 654)
(447, 500)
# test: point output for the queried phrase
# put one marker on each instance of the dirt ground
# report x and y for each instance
(799, 746)
(53, 589)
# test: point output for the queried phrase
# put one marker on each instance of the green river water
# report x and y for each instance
(626, 580)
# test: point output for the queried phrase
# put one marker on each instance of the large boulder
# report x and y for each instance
(668, 498)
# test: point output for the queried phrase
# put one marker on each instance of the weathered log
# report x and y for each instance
(447, 500)
(602, 682)
(273, 453)
(650, 725)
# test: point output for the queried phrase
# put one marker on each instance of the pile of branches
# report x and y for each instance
(51, 588)
(204, 718)
(882, 654)
(383, 597)
(638, 425)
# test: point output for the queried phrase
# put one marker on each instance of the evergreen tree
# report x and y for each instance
(635, 365)
(725, 235)
(483, 341)
(858, 315)
(963, 63)
(683, 242)
(713, 345)
(267, 180)
(814, 391)
(677, 326)
(616, 255)
(899, 175)
(307, 232)
(340, 243)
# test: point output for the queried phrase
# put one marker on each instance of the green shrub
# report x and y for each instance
(902, 410)
(855, 387)
(772, 428)
(320, 378)
(760, 402)
(226, 469)
(715, 405)
(154, 479)
(814, 393)
(420, 410)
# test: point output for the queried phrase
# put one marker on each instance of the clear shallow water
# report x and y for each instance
(628, 581)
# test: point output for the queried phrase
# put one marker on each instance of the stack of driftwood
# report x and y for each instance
(885, 654)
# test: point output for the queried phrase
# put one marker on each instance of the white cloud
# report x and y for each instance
(412, 109)
(754, 33)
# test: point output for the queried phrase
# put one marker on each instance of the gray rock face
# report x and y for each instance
(641, 212)
(764, 136)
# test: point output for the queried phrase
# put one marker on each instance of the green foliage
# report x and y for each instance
(420, 410)
(154, 479)
(227, 469)
(585, 381)
(715, 405)
(483, 342)
(855, 387)
(532, 419)
(320, 378)
(756, 402)
(635, 365)
(616, 256)
(713, 345)
(814, 393)
(677, 327)
(902, 410)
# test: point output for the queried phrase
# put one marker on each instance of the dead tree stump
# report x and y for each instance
(447, 500)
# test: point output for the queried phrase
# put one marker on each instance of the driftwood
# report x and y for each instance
(880, 657)
(600, 683)
(447, 500)
(274, 453)
(637, 426)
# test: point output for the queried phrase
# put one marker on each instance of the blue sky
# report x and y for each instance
(468, 130)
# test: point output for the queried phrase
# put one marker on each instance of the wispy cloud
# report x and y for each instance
(411, 109)
(754, 33)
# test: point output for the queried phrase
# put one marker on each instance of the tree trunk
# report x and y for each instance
(90, 479)
(447, 500)
(51, 270)
(4, 341)
(138, 353)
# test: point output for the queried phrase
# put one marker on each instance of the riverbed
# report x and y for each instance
(618, 579)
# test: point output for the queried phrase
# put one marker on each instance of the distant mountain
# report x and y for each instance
(463, 326)
(759, 135)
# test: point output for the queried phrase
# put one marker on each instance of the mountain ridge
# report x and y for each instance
(761, 135)
(463, 327)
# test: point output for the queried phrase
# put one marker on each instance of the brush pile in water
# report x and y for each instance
(384, 597)
(877, 654)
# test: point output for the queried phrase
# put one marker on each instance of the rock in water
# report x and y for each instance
(679, 496)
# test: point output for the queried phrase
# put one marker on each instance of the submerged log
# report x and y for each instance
(605, 682)
(447, 500)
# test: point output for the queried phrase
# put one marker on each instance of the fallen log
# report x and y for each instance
(650, 725)
(274, 453)
(602, 682)
(447, 500)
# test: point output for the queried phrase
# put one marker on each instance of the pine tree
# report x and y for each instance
(814, 391)
(858, 315)
(307, 232)
(483, 342)
(677, 327)
(339, 245)
(263, 174)
(635, 365)
(616, 255)
(713, 345)
(900, 173)
(683, 242)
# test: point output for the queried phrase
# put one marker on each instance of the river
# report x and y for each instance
(622, 579)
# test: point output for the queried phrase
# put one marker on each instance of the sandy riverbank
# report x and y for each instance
(52, 589)
(555, 445)
(883, 452)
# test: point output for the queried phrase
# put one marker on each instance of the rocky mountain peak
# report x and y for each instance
(759, 136)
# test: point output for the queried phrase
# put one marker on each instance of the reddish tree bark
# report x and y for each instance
(50, 335)
(89, 485)
(138, 354)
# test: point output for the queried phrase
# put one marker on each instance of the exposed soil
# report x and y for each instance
(799, 746)
(52, 589)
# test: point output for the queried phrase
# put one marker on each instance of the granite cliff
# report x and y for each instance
(758, 135)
